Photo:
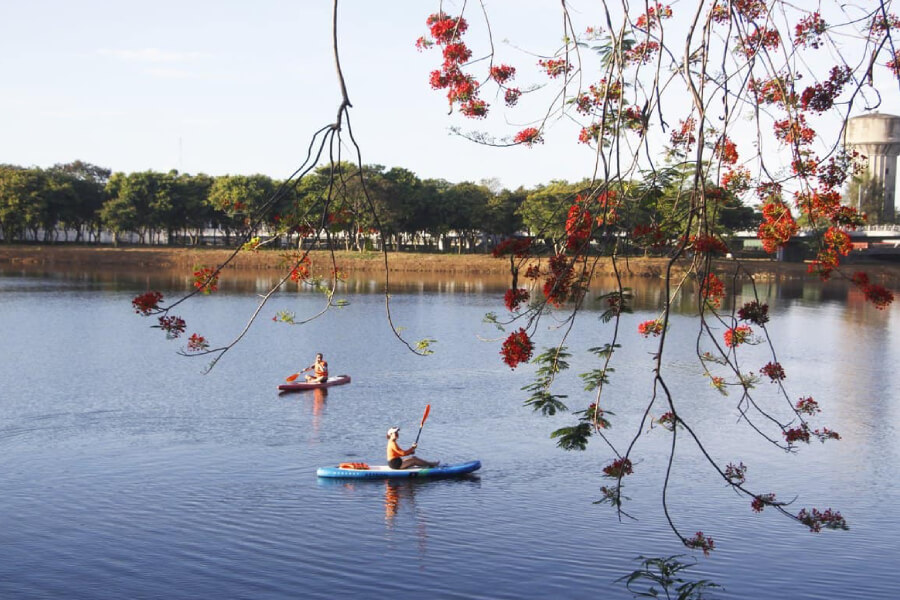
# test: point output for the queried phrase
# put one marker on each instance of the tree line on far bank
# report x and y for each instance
(84, 203)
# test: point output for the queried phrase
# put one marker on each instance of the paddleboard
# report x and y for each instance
(298, 386)
(385, 472)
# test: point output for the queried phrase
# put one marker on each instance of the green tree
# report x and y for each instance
(241, 200)
(463, 209)
(23, 201)
(81, 192)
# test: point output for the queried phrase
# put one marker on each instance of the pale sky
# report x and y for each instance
(228, 87)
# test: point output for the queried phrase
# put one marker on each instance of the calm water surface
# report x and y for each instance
(126, 473)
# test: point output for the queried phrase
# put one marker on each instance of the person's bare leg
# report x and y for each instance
(415, 461)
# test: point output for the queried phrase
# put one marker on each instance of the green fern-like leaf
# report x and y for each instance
(573, 438)
(549, 404)
(595, 378)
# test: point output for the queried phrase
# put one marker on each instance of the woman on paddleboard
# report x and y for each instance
(320, 370)
(396, 454)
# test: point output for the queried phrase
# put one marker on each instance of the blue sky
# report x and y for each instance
(228, 87)
(236, 87)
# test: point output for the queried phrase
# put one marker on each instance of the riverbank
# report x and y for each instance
(94, 258)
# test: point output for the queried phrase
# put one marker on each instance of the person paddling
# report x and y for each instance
(396, 454)
(320, 370)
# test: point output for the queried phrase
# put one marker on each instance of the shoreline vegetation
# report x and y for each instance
(68, 257)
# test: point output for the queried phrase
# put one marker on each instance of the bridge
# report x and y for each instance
(881, 242)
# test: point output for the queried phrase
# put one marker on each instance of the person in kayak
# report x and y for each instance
(396, 454)
(320, 370)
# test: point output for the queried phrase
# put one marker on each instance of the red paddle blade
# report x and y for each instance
(425, 416)
(291, 378)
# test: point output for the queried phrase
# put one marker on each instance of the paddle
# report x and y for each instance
(291, 378)
(422, 424)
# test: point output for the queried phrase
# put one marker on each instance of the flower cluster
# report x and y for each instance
(808, 32)
(300, 271)
(517, 348)
(648, 328)
(735, 336)
(807, 406)
(826, 434)
(748, 10)
(147, 302)
(641, 54)
(797, 434)
(607, 208)
(877, 294)
(667, 420)
(600, 97)
(700, 542)
(517, 246)
(475, 108)
(815, 520)
(554, 67)
(736, 474)
(736, 180)
(778, 226)
(173, 326)
(754, 312)
(196, 343)
(760, 501)
(894, 64)
(794, 131)
(712, 290)
(684, 135)
(708, 244)
(835, 243)
(882, 23)
(529, 136)
(761, 37)
(578, 225)
(462, 89)
(618, 468)
(651, 236)
(513, 298)
(558, 285)
(590, 134)
(649, 19)
(774, 371)
(726, 151)
(820, 96)
(595, 415)
(840, 167)
(206, 279)
(776, 90)
(503, 73)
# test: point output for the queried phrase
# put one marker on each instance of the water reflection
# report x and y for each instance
(649, 293)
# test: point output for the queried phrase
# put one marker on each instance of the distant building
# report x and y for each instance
(877, 136)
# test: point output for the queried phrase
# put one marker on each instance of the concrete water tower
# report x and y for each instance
(877, 136)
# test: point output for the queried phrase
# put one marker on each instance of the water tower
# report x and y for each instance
(877, 136)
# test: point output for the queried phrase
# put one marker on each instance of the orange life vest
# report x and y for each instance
(354, 465)
(322, 369)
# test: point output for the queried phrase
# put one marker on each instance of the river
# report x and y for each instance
(128, 473)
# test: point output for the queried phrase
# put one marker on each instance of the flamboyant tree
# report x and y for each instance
(688, 111)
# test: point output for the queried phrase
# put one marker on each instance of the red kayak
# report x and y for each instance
(299, 386)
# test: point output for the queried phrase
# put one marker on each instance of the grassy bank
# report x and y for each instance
(72, 257)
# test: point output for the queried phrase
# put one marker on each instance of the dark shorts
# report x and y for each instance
(395, 463)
